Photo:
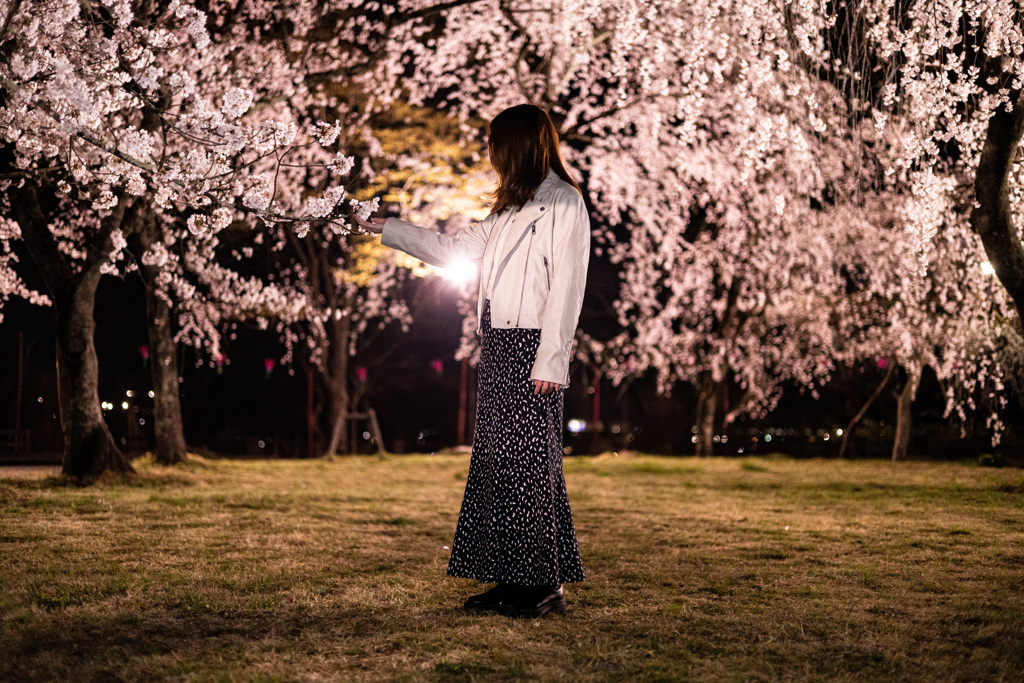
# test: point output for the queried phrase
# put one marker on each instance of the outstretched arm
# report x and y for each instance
(430, 246)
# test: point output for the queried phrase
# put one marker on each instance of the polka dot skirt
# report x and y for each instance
(515, 525)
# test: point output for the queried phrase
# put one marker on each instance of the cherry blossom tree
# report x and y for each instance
(700, 161)
(731, 145)
(102, 120)
(948, 84)
(933, 94)
(954, 317)
(350, 287)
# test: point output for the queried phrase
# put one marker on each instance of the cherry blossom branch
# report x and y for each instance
(237, 204)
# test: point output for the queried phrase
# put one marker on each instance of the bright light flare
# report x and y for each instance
(460, 272)
(987, 269)
(576, 426)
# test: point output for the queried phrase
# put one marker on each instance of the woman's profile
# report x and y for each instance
(515, 528)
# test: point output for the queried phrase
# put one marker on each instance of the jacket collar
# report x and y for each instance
(541, 202)
(549, 183)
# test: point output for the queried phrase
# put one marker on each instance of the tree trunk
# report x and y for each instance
(89, 449)
(167, 423)
(707, 402)
(339, 444)
(903, 416)
(336, 378)
(168, 427)
(992, 218)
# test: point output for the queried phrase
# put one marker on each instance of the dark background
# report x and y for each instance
(241, 410)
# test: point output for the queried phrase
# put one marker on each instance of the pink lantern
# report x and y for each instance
(438, 366)
(361, 374)
(883, 363)
(268, 366)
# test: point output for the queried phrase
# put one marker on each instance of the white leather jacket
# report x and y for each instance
(539, 274)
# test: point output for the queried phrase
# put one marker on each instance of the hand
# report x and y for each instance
(541, 387)
(375, 225)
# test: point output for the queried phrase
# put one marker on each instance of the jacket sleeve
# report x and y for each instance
(433, 247)
(569, 259)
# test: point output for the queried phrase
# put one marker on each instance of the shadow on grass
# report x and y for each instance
(60, 645)
(47, 483)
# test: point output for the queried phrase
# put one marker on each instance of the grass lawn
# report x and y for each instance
(715, 569)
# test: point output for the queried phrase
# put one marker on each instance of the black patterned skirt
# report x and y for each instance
(515, 525)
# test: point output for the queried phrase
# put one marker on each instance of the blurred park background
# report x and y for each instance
(806, 225)
(242, 409)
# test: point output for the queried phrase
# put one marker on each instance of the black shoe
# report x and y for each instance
(489, 600)
(532, 602)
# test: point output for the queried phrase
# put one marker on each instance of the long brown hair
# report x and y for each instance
(523, 145)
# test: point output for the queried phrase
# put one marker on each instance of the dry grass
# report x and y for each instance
(717, 569)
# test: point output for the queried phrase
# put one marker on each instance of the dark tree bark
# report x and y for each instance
(904, 420)
(335, 375)
(345, 404)
(168, 427)
(167, 423)
(89, 449)
(707, 404)
(991, 217)
(708, 389)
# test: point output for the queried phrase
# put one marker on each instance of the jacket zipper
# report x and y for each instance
(526, 268)
(547, 275)
(508, 257)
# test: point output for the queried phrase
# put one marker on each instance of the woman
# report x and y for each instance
(515, 528)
